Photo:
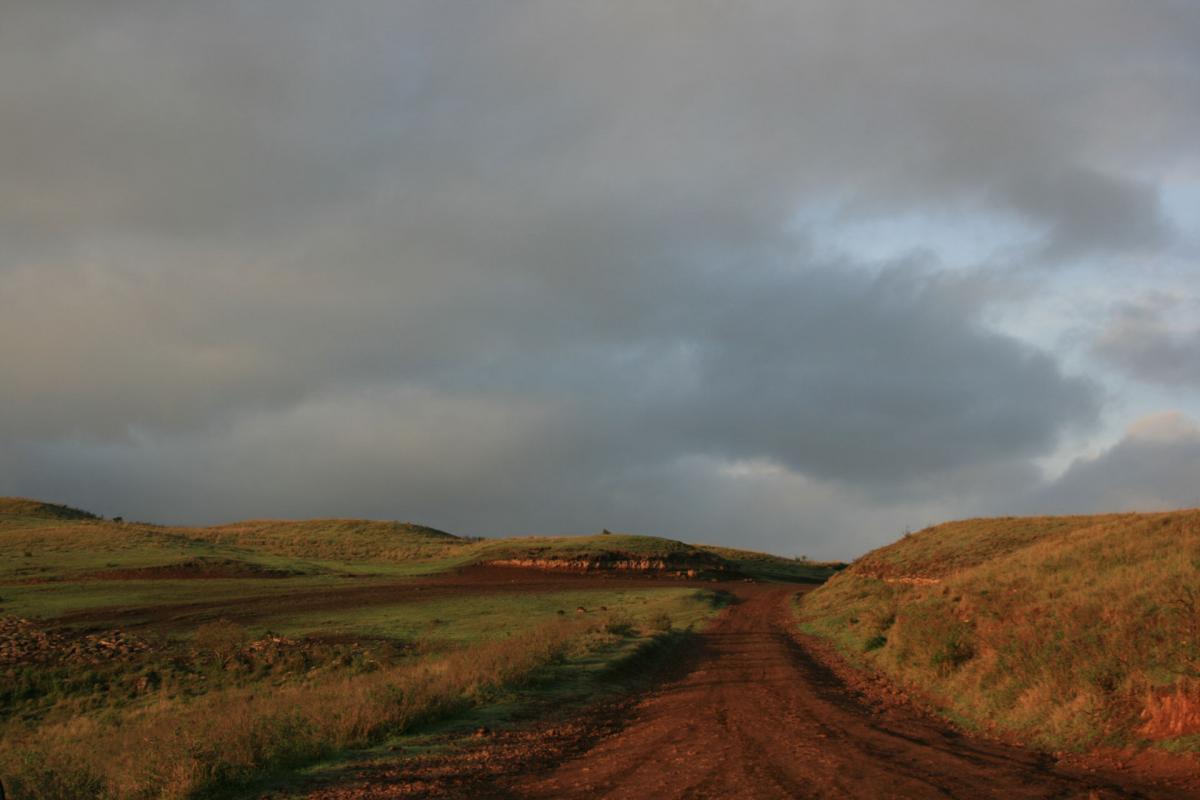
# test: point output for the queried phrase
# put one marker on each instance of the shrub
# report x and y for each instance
(222, 639)
(874, 643)
(619, 625)
(955, 649)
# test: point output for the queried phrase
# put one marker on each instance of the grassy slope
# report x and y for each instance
(1067, 631)
(42, 541)
(441, 656)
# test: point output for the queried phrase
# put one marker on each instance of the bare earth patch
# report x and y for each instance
(756, 714)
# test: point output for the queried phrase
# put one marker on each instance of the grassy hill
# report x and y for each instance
(1068, 631)
(13, 508)
(41, 541)
(140, 660)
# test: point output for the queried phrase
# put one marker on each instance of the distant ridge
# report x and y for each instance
(38, 539)
(24, 507)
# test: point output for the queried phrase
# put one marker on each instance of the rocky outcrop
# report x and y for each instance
(657, 566)
(22, 641)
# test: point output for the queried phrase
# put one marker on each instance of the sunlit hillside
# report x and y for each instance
(1066, 631)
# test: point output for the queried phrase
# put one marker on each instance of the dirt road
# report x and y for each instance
(758, 717)
(300, 597)
(754, 715)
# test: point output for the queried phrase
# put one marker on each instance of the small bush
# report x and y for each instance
(874, 643)
(47, 776)
(619, 625)
(222, 639)
(955, 650)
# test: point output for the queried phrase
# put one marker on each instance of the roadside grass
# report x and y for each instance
(1068, 632)
(555, 691)
(174, 750)
(232, 680)
(216, 722)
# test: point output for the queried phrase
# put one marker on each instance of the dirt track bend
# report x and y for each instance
(753, 715)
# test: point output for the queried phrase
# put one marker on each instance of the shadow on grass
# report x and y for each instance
(593, 684)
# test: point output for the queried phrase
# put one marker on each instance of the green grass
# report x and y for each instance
(1070, 632)
(479, 618)
(41, 542)
(556, 691)
(233, 732)
(215, 704)
(570, 547)
(775, 568)
(52, 600)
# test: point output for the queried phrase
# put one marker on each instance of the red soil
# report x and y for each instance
(753, 713)
(468, 581)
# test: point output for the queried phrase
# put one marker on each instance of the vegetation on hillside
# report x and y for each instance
(39, 541)
(147, 661)
(224, 708)
(21, 507)
(1065, 631)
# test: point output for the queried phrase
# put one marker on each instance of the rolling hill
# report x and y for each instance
(43, 541)
(1068, 632)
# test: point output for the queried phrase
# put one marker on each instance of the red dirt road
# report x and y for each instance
(753, 715)
(759, 717)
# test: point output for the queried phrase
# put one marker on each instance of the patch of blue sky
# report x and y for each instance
(1180, 201)
(951, 239)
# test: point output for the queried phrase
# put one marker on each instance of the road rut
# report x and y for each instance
(759, 717)
(749, 712)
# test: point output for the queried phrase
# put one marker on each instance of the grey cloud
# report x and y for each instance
(1141, 341)
(554, 248)
(492, 467)
(1090, 213)
(1155, 466)
(224, 119)
(874, 381)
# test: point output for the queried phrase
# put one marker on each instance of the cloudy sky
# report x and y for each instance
(794, 276)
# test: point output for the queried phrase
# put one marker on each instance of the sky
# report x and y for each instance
(793, 276)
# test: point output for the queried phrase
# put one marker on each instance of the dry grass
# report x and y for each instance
(44, 541)
(1173, 713)
(1068, 631)
(336, 539)
(181, 750)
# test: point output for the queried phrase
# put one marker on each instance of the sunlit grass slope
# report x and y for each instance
(1066, 631)
(41, 541)
(143, 661)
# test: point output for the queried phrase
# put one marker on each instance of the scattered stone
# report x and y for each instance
(23, 641)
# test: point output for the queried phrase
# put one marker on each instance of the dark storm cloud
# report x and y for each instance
(520, 266)
(1141, 341)
(1155, 466)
